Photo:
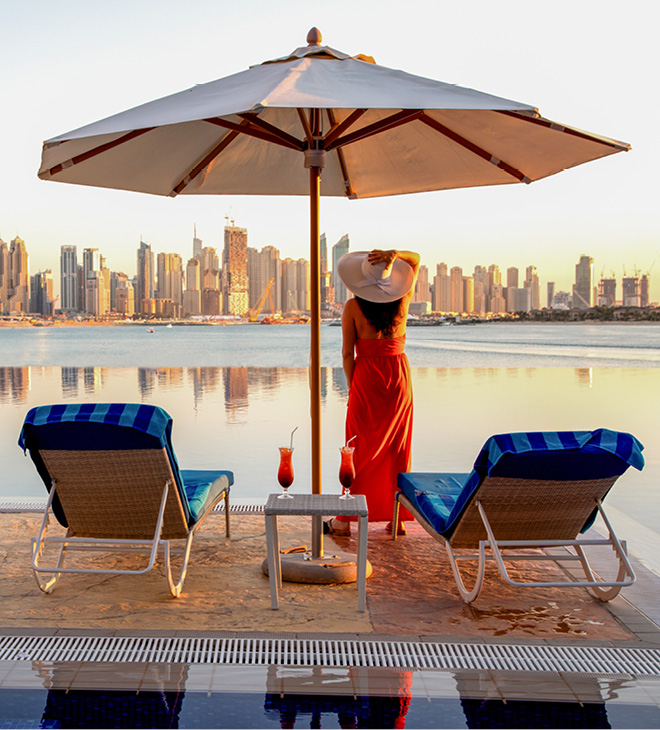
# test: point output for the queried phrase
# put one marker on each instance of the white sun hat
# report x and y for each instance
(375, 282)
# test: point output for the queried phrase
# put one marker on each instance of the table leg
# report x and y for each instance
(274, 563)
(362, 563)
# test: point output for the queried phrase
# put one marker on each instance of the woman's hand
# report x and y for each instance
(378, 256)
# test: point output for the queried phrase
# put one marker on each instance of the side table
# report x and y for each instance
(315, 504)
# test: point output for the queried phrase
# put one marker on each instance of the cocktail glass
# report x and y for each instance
(347, 471)
(285, 471)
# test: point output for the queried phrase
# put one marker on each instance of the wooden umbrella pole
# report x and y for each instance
(315, 350)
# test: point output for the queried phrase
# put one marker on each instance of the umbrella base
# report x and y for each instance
(336, 567)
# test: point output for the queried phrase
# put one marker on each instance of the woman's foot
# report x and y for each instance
(337, 527)
(400, 530)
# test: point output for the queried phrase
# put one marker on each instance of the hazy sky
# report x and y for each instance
(586, 63)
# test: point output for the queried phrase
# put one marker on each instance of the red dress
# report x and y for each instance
(380, 412)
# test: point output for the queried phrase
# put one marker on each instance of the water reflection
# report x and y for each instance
(359, 697)
(14, 385)
(93, 379)
(236, 391)
(157, 704)
(242, 414)
(585, 376)
(177, 694)
(69, 382)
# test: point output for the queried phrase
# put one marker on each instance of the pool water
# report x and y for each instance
(123, 709)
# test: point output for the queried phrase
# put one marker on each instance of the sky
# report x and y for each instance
(585, 63)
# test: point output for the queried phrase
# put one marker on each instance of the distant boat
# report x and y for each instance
(150, 329)
(168, 326)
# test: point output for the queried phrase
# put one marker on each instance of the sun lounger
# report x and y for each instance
(526, 490)
(114, 484)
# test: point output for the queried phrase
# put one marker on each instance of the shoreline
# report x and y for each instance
(233, 323)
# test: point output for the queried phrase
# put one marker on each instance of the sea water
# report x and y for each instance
(236, 393)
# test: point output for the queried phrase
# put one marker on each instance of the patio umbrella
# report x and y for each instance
(279, 127)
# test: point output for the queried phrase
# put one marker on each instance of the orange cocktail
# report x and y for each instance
(346, 471)
(285, 471)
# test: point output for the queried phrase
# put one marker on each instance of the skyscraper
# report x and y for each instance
(532, 283)
(496, 303)
(338, 250)
(422, 291)
(197, 243)
(551, 293)
(511, 286)
(18, 299)
(512, 277)
(170, 278)
(145, 279)
(68, 278)
(263, 266)
(644, 285)
(481, 289)
(456, 289)
(192, 296)
(583, 289)
(607, 292)
(631, 297)
(234, 271)
(4, 276)
(468, 294)
(41, 293)
(441, 293)
(124, 295)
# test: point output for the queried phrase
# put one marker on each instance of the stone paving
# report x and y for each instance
(410, 594)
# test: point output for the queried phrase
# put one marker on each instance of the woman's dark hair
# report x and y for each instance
(382, 316)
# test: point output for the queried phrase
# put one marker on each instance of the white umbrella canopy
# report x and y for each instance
(319, 122)
(385, 132)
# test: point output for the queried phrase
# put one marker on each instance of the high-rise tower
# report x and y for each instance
(583, 289)
(19, 280)
(532, 283)
(338, 250)
(145, 279)
(234, 272)
(68, 278)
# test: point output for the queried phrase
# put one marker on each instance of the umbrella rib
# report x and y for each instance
(348, 187)
(251, 131)
(566, 130)
(338, 129)
(96, 151)
(272, 129)
(306, 128)
(395, 120)
(192, 174)
(475, 149)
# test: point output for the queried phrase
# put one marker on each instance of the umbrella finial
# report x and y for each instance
(314, 37)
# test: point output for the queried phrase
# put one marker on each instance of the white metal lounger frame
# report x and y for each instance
(118, 545)
(604, 590)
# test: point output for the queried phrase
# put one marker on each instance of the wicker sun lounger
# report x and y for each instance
(114, 483)
(526, 491)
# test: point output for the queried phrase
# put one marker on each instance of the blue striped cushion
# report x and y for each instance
(197, 488)
(442, 498)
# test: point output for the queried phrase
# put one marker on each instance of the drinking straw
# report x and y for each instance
(292, 432)
(350, 439)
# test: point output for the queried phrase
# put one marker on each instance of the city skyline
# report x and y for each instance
(172, 285)
(605, 208)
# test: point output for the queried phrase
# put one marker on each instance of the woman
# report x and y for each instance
(380, 390)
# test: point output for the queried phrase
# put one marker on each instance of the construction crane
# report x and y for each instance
(253, 314)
